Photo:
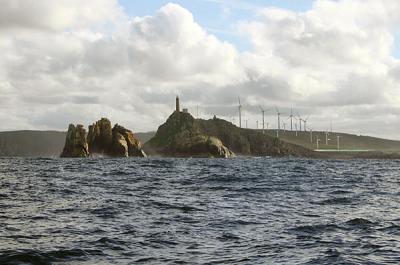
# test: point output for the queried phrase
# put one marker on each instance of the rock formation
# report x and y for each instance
(180, 136)
(75, 142)
(102, 139)
(124, 143)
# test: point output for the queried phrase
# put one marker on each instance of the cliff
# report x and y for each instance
(102, 139)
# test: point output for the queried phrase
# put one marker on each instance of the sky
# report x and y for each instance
(72, 61)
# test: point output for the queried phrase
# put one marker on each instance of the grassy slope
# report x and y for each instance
(347, 141)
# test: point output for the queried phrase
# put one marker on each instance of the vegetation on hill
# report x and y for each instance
(240, 141)
(31, 143)
(349, 142)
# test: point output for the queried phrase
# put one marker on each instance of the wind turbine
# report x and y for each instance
(263, 118)
(247, 120)
(338, 142)
(318, 140)
(326, 137)
(305, 123)
(240, 113)
(291, 119)
(279, 120)
(300, 120)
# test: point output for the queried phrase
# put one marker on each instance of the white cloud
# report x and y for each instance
(70, 61)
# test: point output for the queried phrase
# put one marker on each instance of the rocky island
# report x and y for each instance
(102, 139)
(184, 136)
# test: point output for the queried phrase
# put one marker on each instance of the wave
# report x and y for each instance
(46, 258)
(337, 200)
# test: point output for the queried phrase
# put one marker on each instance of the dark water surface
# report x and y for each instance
(199, 211)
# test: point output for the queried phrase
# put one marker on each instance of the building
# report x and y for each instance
(178, 108)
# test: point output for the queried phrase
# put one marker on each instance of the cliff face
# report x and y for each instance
(75, 142)
(180, 136)
(102, 140)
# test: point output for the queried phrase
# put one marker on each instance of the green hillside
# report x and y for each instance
(349, 142)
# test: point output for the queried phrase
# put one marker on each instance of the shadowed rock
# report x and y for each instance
(75, 142)
(100, 137)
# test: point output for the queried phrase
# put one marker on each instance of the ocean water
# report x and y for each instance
(199, 211)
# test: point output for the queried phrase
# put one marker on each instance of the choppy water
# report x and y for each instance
(199, 211)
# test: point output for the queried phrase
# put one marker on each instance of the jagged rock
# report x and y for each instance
(100, 137)
(133, 145)
(119, 147)
(75, 143)
(102, 140)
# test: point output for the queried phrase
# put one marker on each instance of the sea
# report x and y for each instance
(199, 211)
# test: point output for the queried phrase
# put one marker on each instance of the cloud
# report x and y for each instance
(57, 15)
(74, 61)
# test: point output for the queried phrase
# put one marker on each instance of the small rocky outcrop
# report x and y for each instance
(103, 140)
(75, 142)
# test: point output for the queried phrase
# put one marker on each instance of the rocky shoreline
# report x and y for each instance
(184, 136)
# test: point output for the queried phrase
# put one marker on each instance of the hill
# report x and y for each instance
(181, 127)
(31, 143)
(40, 143)
(347, 142)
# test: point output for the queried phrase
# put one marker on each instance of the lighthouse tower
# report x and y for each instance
(178, 108)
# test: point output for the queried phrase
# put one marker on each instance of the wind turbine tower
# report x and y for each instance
(305, 123)
(263, 119)
(326, 137)
(279, 120)
(291, 118)
(240, 113)
(300, 120)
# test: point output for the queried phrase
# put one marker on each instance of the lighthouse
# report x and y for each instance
(178, 109)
